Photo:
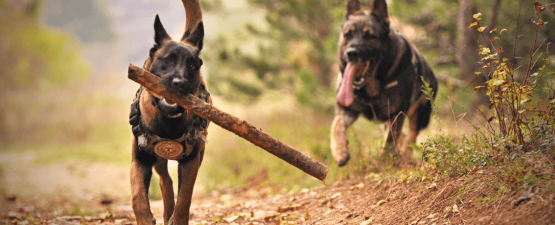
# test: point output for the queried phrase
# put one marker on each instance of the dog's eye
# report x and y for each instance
(168, 60)
(367, 35)
(192, 66)
(348, 35)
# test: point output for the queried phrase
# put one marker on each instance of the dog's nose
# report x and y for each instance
(352, 53)
(178, 83)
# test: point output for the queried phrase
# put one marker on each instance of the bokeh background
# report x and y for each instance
(65, 96)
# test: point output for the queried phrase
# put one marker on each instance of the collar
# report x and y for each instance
(173, 149)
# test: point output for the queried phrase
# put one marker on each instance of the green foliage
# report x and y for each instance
(293, 49)
(455, 158)
(32, 54)
(517, 142)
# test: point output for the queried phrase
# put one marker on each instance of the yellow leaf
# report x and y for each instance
(492, 30)
(477, 16)
(493, 39)
(477, 87)
(477, 73)
(358, 186)
(232, 218)
(481, 29)
(328, 212)
(366, 222)
(473, 24)
(380, 202)
(485, 51)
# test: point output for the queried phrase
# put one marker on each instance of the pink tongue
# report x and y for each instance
(345, 94)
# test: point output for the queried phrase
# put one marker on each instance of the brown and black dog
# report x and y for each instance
(154, 120)
(381, 78)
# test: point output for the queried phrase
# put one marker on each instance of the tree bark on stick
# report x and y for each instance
(231, 123)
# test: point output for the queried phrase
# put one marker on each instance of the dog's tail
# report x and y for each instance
(193, 16)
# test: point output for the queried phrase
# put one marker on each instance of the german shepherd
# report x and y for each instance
(381, 78)
(178, 64)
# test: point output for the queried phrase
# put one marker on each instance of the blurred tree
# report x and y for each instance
(33, 59)
(89, 20)
(296, 51)
(297, 41)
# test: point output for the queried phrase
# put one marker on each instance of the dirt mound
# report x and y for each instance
(473, 199)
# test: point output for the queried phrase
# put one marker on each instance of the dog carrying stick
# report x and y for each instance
(230, 123)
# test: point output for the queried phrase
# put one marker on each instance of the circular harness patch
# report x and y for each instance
(168, 150)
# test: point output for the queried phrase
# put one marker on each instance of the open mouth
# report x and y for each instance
(170, 109)
(353, 78)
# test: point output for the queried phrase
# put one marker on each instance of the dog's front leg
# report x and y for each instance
(187, 172)
(339, 145)
(166, 186)
(141, 172)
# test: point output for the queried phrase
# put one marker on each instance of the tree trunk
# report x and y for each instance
(467, 55)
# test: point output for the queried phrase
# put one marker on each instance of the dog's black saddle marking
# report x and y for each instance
(147, 141)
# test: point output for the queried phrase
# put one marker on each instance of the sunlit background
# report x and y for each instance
(65, 95)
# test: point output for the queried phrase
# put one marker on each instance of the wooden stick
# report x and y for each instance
(230, 123)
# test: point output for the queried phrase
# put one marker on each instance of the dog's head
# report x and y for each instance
(364, 38)
(176, 62)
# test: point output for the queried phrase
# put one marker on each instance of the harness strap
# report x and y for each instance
(147, 141)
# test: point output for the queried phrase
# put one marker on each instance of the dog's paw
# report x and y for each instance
(342, 161)
(340, 154)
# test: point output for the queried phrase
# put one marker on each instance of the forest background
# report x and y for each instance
(65, 96)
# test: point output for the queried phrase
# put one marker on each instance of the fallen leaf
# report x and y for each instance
(270, 217)
(380, 202)
(328, 212)
(358, 186)
(336, 195)
(306, 215)
(217, 220)
(432, 186)
(455, 208)
(366, 222)
(289, 208)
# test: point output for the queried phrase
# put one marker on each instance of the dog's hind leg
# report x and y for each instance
(187, 173)
(339, 144)
(418, 121)
(393, 134)
(166, 186)
(141, 172)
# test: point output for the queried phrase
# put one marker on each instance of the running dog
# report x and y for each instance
(381, 77)
(163, 130)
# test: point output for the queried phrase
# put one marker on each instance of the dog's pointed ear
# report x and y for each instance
(353, 6)
(196, 38)
(380, 12)
(160, 34)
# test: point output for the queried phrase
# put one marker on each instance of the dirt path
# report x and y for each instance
(468, 200)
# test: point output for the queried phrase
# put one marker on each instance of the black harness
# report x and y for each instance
(167, 148)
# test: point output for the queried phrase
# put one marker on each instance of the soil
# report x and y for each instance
(473, 199)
